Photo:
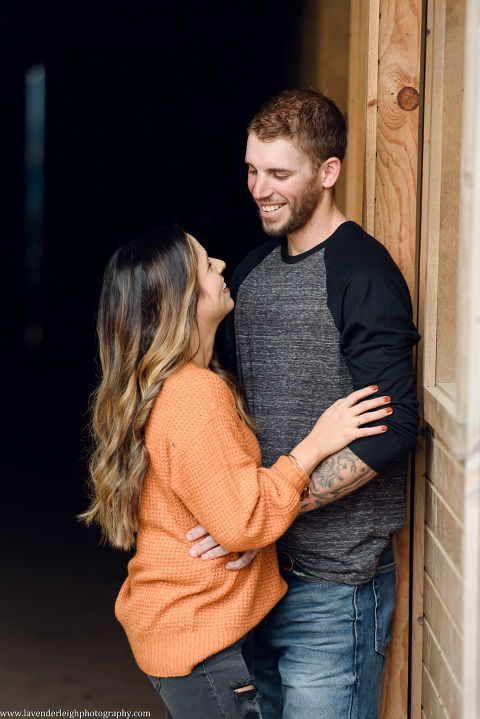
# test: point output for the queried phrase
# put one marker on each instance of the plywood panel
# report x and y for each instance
(444, 627)
(441, 674)
(445, 524)
(444, 576)
(446, 474)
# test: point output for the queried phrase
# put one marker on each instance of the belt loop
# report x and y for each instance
(285, 561)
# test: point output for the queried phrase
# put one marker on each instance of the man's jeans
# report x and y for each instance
(208, 692)
(320, 653)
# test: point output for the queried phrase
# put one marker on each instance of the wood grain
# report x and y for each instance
(431, 183)
(432, 704)
(444, 627)
(446, 473)
(397, 132)
(452, 112)
(332, 64)
(371, 115)
(444, 576)
(390, 214)
(441, 674)
(444, 524)
(394, 699)
(357, 78)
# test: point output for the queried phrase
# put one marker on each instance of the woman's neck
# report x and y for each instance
(201, 347)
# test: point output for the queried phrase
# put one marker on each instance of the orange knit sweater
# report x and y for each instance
(204, 468)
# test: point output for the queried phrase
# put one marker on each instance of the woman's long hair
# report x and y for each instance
(146, 320)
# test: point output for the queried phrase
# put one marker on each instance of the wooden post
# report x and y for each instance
(391, 215)
(469, 358)
(357, 77)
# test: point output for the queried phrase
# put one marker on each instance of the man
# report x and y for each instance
(322, 309)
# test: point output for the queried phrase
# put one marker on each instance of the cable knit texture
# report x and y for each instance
(204, 468)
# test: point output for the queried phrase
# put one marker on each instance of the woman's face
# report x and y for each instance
(215, 301)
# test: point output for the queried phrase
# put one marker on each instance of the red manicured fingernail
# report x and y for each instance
(384, 429)
(387, 399)
(374, 387)
(389, 410)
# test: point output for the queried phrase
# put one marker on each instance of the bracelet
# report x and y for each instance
(294, 461)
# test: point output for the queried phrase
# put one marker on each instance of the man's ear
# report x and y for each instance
(330, 170)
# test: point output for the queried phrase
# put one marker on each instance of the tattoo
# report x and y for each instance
(335, 477)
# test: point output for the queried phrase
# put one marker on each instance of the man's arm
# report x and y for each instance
(334, 478)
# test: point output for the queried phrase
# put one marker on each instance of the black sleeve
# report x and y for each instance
(242, 271)
(370, 304)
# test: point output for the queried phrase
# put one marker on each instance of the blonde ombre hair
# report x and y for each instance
(146, 320)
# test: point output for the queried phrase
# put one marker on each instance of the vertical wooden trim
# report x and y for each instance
(371, 117)
(357, 72)
(431, 196)
(391, 215)
(469, 356)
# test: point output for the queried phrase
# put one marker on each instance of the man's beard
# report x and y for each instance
(300, 215)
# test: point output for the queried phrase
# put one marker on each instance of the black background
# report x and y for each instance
(146, 110)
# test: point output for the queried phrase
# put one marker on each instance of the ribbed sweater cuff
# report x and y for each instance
(175, 653)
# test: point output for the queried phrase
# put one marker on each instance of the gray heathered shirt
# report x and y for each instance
(307, 330)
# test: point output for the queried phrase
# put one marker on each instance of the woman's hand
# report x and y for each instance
(345, 420)
(340, 424)
(209, 548)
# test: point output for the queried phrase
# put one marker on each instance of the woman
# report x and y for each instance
(176, 447)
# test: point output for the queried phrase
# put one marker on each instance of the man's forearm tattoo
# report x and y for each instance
(335, 477)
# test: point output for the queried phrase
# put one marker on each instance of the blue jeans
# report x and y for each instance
(320, 653)
(208, 692)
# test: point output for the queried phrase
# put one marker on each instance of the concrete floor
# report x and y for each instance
(61, 646)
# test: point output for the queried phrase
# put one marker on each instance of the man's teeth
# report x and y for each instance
(271, 208)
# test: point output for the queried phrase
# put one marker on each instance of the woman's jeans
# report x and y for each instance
(320, 652)
(209, 691)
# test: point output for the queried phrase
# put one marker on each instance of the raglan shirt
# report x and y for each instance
(307, 330)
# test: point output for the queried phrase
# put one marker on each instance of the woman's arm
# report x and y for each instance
(250, 524)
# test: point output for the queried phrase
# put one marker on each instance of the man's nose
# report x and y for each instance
(261, 188)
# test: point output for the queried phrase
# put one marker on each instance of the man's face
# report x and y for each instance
(283, 184)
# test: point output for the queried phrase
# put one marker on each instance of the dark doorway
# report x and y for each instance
(146, 109)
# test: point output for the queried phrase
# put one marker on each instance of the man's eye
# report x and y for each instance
(280, 177)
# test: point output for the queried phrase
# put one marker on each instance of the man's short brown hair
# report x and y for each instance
(308, 117)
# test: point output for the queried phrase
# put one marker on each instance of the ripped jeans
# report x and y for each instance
(211, 690)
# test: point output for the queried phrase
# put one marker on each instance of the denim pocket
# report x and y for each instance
(384, 590)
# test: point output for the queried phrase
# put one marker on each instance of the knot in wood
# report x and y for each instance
(408, 99)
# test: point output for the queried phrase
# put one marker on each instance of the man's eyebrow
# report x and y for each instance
(272, 169)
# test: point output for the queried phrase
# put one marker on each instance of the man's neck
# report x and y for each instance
(324, 222)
